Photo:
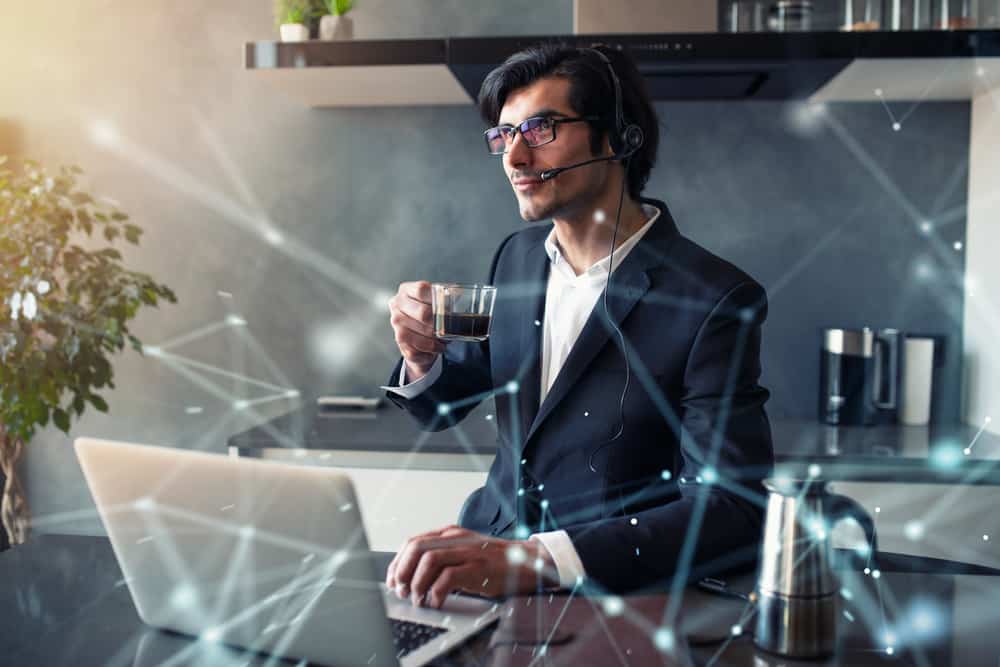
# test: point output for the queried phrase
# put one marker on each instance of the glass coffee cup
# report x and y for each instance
(462, 311)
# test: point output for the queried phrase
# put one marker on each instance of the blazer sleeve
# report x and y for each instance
(726, 451)
(466, 377)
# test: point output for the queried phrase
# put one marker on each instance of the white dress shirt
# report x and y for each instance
(569, 300)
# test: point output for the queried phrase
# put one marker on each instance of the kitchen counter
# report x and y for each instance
(66, 603)
(390, 438)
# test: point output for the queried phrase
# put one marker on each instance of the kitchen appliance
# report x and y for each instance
(859, 376)
(918, 380)
(797, 591)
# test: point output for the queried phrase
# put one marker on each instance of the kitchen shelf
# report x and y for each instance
(822, 66)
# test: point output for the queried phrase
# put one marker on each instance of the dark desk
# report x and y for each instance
(910, 454)
(64, 603)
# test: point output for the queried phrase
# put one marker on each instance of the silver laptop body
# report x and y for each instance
(267, 556)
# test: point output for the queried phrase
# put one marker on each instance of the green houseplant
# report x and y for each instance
(335, 24)
(293, 17)
(65, 310)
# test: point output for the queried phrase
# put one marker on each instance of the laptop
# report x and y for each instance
(270, 557)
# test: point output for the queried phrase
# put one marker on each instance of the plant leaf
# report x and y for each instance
(61, 419)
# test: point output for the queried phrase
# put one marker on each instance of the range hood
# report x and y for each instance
(702, 66)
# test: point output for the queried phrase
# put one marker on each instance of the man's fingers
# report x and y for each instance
(452, 578)
(429, 568)
(393, 580)
(419, 290)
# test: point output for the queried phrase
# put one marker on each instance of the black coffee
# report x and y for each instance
(462, 325)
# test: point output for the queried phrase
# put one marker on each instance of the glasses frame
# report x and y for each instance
(520, 129)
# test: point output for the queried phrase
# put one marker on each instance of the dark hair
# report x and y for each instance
(591, 94)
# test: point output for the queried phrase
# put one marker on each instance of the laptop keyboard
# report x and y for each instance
(409, 636)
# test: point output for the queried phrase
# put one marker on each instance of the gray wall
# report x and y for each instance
(208, 159)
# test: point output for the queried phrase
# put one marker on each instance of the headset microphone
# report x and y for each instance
(633, 139)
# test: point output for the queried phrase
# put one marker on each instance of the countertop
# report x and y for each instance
(65, 603)
(882, 453)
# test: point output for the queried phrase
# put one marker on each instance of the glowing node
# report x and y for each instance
(613, 605)
(489, 418)
(241, 405)
(300, 453)
(946, 456)
(235, 321)
(194, 409)
(914, 530)
(862, 549)
(520, 492)
(539, 564)
(926, 227)
(521, 532)
(524, 461)
(709, 475)
(890, 639)
(846, 594)
(444, 409)
(889, 650)
(103, 133)
(586, 413)
(579, 580)
(292, 393)
(224, 294)
(516, 555)
(736, 630)
(987, 420)
(380, 300)
(145, 503)
(544, 504)
(868, 570)
(878, 92)
(541, 487)
(878, 510)
(600, 216)
(957, 245)
(347, 507)
(665, 475)
(43, 287)
(152, 350)
(273, 237)
(876, 574)
(986, 538)
(896, 127)
(247, 532)
(211, 635)
(815, 470)
(538, 323)
(512, 387)
(183, 597)
(634, 521)
(664, 639)
(698, 479)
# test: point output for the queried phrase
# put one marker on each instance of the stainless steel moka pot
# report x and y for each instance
(797, 592)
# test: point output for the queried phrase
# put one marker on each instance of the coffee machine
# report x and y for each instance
(859, 376)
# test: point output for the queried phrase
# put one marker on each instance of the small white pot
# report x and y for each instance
(333, 27)
(294, 32)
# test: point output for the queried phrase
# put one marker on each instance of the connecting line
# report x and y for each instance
(192, 336)
(237, 215)
(218, 371)
(555, 625)
(748, 612)
(701, 499)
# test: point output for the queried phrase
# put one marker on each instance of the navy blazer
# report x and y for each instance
(679, 490)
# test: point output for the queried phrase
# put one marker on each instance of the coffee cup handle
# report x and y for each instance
(837, 508)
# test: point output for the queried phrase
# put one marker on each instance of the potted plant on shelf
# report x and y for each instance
(293, 18)
(66, 304)
(335, 24)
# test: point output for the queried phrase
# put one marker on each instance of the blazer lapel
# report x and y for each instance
(629, 282)
(529, 368)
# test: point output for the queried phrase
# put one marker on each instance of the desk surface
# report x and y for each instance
(887, 453)
(64, 603)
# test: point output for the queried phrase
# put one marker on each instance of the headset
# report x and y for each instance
(630, 139)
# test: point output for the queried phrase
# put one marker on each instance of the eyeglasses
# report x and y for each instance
(535, 131)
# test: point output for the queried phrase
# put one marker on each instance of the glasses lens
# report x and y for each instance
(496, 141)
(537, 131)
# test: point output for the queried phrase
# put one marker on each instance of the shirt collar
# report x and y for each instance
(600, 268)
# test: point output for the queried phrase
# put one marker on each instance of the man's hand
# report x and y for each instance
(430, 566)
(412, 323)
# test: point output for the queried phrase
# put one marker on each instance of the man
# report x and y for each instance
(632, 434)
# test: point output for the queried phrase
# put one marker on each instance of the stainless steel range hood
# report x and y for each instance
(710, 66)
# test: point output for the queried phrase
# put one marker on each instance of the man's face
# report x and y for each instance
(571, 190)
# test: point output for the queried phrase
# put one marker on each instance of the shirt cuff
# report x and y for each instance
(564, 555)
(414, 389)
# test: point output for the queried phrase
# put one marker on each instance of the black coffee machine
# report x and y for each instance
(859, 376)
